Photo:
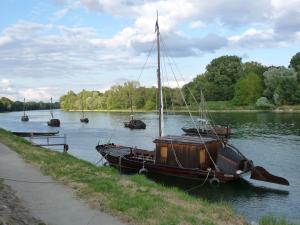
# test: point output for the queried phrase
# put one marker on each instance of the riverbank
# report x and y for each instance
(212, 106)
(134, 199)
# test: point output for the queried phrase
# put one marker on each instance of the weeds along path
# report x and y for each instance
(50, 201)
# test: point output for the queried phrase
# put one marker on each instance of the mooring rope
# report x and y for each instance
(200, 185)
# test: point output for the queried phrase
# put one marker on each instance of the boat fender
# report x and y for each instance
(143, 170)
(214, 181)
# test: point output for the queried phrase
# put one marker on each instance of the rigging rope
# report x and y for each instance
(216, 167)
(190, 92)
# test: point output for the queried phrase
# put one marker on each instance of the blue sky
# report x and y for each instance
(52, 46)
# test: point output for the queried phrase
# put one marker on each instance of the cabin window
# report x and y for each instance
(163, 153)
(202, 156)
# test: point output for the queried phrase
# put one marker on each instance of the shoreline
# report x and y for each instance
(192, 111)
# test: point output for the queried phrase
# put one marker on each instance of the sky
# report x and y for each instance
(52, 46)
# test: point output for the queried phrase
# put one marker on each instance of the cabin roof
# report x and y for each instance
(183, 139)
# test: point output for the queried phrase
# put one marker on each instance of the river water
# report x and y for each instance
(271, 140)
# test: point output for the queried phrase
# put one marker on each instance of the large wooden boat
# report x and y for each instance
(24, 117)
(53, 122)
(189, 157)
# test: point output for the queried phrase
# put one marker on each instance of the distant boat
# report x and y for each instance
(188, 157)
(83, 119)
(134, 123)
(204, 126)
(53, 122)
(24, 117)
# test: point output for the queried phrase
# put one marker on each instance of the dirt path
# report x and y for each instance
(53, 203)
(12, 209)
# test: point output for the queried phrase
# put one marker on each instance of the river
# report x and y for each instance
(271, 140)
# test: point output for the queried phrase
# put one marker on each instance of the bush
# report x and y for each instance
(248, 89)
(264, 103)
(150, 105)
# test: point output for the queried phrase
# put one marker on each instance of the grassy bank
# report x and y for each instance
(134, 199)
(213, 106)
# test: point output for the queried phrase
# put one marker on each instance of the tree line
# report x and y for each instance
(7, 105)
(226, 78)
(251, 83)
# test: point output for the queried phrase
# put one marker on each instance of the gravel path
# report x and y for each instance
(53, 203)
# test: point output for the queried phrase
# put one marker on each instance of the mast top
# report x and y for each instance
(159, 85)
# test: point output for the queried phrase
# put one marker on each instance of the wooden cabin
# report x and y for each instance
(186, 151)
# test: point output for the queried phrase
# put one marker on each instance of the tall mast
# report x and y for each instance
(82, 112)
(131, 107)
(24, 107)
(51, 108)
(160, 94)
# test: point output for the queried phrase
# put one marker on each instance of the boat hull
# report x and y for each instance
(54, 123)
(25, 118)
(84, 120)
(129, 163)
(135, 124)
(220, 131)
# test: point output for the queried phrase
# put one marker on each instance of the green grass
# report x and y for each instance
(134, 199)
(273, 220)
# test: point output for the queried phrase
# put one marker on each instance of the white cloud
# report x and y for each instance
(8, 89)
(37, 94)
(49, 50)
(197, 24)
(5, 83)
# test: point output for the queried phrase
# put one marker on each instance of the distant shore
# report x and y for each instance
(211, 106)
(276, 110)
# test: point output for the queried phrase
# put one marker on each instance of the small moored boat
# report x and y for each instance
(135, 124)
(24, 117)
(53, 122)
(203, 126)
(83, 119)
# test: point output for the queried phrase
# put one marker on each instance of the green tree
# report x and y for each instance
(222, 74)
(248, 89)
(254, 67)
(295, 63)
(281, 85)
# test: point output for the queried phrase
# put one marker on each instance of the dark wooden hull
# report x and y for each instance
(29, 134)
(135, 124)
(132, 163)
(84, 120)
(25, 118)
(220, 131)
(54, 123)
